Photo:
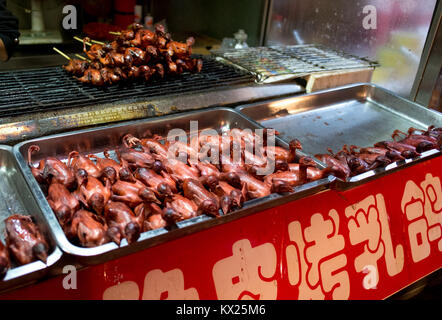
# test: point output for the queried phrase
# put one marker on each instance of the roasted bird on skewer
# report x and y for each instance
(136, 53)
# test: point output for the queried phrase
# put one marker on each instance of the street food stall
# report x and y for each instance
(145, 167)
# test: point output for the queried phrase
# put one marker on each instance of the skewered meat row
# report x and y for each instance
(354, 160)
(100, 199)
(137, 53)
(25, 243)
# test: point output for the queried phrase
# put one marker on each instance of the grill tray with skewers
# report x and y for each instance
(135, 54)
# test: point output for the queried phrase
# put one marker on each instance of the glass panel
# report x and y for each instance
(392, 32)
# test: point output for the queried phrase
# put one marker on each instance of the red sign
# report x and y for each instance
(364, 243)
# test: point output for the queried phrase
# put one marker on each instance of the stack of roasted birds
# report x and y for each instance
(354, 160)
(146, 185)
(136, 53)
(25, 243)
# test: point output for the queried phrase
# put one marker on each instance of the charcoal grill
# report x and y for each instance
(36, 102)
(52, 88)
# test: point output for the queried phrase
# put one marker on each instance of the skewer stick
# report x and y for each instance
(97, 42)
(81, 40)
(89, 43)
(81, 57)
(63, 54)
(115, 33)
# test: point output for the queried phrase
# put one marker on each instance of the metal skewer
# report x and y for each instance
(61, 53)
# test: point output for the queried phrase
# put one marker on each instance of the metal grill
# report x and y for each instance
(29, 91)
(273, 63)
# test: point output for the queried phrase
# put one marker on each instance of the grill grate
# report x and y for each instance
(267, 63)
(29, 91)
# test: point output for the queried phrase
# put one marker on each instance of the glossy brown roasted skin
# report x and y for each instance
(180, 171)
(421, 142)
(76, 67)
(134, 159)
(88, 228)
(131, 193)
(122, 222)
(178, 150)
(393, 155)
(155, 147)
(24, 239)
(237, 196)
(136, 53)
(77, 161)
(339, 167)
(120, 171)
(292, 177)
(51, 170)
(436, 133)
(5, 263)
(313, 173)
(406, 151)
(208, 170)
(183, 208)
(146, 188)
(153, 216)
(354, 160)
(92, 192)
(255, 188)
(163, 184)
(206, 201)
(63, 203)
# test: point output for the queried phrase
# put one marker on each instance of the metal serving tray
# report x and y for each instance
(360, 114)
(16, 198)
(95, 140)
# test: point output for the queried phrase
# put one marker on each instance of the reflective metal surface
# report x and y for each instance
(427, 87)
(360, 114)
(278, 63)
(392, 32)
(16, 198)
(107, 137)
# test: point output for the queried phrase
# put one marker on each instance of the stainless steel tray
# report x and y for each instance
(95, 140)
(360, 114)
(16, 198)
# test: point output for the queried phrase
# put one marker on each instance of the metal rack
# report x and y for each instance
(275, 63)
(29, 91)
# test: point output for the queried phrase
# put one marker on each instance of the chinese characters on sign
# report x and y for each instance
(422, 205)
(247, 273)
(306, 264)
(324, 252)
(368, 224)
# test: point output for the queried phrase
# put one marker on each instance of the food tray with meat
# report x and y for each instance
(113, 190)
(362, 125)
(27, 249)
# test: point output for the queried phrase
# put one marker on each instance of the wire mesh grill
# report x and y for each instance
(28, 91)
(295, 61)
